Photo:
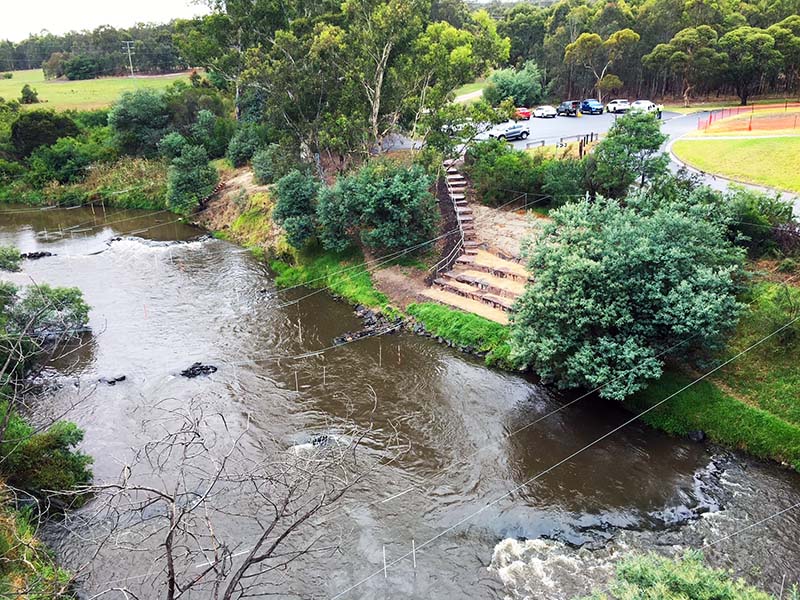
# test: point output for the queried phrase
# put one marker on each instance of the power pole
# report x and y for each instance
(128, 46)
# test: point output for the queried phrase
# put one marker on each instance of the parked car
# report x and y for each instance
(619, 105)
(644, 105)
(590, 106)
(545, 112)
(510, 130)
(523, 113)
(568, 108)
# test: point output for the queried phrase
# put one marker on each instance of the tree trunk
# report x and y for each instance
(380, 72)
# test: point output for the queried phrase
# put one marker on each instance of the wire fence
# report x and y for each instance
(780, 117)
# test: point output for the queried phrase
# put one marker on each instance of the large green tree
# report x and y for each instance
(750, 56)
(597, 55)
(620, 288)
(523, 86)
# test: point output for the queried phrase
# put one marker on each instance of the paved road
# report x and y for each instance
(552, 131)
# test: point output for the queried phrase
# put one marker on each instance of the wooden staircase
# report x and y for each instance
(475, 281)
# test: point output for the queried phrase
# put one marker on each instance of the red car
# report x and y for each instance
(523, 113)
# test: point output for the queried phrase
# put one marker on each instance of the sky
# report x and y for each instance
(22, 18)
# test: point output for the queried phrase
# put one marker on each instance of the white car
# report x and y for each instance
(545, 112)
(644, 105)
(619, 105)
(510, 130)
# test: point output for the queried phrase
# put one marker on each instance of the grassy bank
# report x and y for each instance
(28, 569)
(80, 95)
(466, 330)
(752, 403)
(766, 161)
(129, 182)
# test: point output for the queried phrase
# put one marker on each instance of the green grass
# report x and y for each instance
(771, 162)
(698, 106)
(725, 419)
(469, 88)
(465, 330)
(752, 403)
(79, 95)
(326, 269)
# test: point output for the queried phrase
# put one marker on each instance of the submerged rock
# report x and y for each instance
(698, 435)
(36, 255)
(198, 369)
(112, 380)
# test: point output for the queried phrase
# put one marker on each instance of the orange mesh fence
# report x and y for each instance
(747, 118)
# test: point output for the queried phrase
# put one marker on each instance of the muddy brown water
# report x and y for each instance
(157, 307)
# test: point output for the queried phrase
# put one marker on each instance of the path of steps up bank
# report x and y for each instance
(478, 282)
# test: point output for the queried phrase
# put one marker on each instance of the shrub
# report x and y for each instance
(523, 86)
(46, 461)
(138, 121)
(39, 128)
(564, 180)
(388, 206)
(44, 311)
(211, 132)
(500, 173)
(687, 578)
(28, 95)
(171, 145)
(273, 162)
(190, 179)
(617, 287)
(294, 210)
(81, 66)
(244, 144)
(66, 161)
(9, 258)
(130, 182)
(756, 219)
(6, 76)
(10, 170)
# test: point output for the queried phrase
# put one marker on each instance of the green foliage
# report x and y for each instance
(9, 258)
(295, 207)
(212, 132)
(616, 287)
(629, 153)
(465, 330)
(66, 161)
(750, 55)
(523, 86)
(244, 144)
(342, 273)
(389, 207)
(28, 95)
(654, 577)
(81, 66)
(190, 180)
(564, 180)
(46, 461)
(171, 145)
(138, 121)
(38, 128)
(499, 173)
(273, 162)
(754, 216)
(10, 170)
(43, 310)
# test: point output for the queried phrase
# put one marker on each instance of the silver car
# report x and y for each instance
(510, 130)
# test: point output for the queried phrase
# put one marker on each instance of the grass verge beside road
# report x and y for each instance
(79, 95)
(770, 162)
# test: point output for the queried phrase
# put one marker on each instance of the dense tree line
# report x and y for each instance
(100, 52)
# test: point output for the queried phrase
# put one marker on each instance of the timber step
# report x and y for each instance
(475, 262)
(487, 284)
(467, 291)
(467, 305)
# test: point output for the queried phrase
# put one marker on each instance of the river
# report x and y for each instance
(158, 307)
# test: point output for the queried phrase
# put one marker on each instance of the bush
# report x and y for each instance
(6, 76)
(46, 461)
(171, 145)
(190, 179)
(388, 206)
(9, 258)
(564, 180)
(66, 161)
(138, 121)
(10, 170)
(755, 217)
(500, 174)
(687, 578)
(244, 144)
(211, 132)
(295, 210)
(28, 95)
(617, 287)
(523, 86)
(39, 128)
(273, 162)
(81, 66)
(44, 311)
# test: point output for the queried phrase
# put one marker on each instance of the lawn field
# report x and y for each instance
(80, 95)
(470, 88)
(764, 161)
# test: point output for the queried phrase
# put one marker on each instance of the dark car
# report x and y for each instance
(568, 108)
(590, 106)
